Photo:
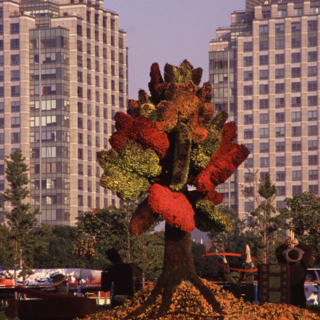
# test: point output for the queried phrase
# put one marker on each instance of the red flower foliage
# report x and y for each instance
(173, 206)
(205, 93)
(198, 134)
(229, 132)
(221, 165)
(205, 114)
(124, 128)
(140, 129)
(150, 137)
(214, 196)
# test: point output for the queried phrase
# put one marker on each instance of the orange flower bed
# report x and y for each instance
(187, 303)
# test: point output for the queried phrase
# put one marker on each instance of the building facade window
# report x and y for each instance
(296, 131)
(280, 175)
(263, 59)
(281, 190)
(296, 175)
(312, 100)
(280, 117)
(296, 190)
(264, 162)
(247, 46)
(279, 73)
(247, 104)
(313, 145)
(280, 132)
(279, 58)
(280, 161)
(280, 146)
(264, 118)
(296, 101)
(279, 102)
(313, 174)
(296, 146)
(248, 134)
(296, 160)
(312, 85)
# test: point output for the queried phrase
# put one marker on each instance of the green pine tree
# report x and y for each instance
(26, 238)
(267, 227)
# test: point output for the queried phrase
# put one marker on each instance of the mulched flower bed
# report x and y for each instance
(187, 303)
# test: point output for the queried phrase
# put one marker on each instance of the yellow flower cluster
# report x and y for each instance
(208, 217)
(128, 173)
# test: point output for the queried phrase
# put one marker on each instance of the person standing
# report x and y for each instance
(11, 312)
(298, 259)
(120, 274)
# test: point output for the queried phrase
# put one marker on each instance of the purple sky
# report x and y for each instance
(169, 31)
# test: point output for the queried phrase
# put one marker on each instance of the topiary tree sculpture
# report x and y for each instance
(168, 141)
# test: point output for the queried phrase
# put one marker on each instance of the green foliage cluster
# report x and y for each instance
(179, 74)
(60, 252)
(149, 110)
(128, 173)
(303, 214)
(148, 254)
(208, 217)
(7, 248)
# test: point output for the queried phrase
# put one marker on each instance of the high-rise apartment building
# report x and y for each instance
(63, 75)
(264, 72)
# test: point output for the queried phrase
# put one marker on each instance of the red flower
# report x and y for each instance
(150, 137)
(221, 165)
(229, 132)
(173, 206)
(124, 128)
(140, 129)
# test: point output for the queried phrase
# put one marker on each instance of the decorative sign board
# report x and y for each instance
(274, 283)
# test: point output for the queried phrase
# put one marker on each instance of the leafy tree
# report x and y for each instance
(147, 252)
(171, 140)
(60, 252)
(22, 220)
(267, 227)
(100, 230)
(303, 212)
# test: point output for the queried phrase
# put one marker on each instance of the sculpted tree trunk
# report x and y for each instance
(169, 141)
(177, 267)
